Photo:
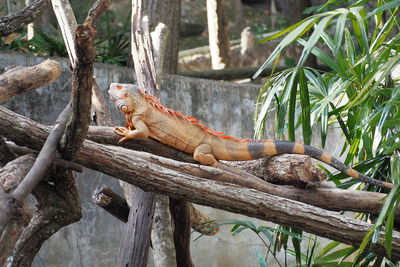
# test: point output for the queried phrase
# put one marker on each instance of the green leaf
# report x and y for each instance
(292, 110)
(305, 108)
(260, 259)
(339, 31)
(389, 5)
(290, 38)
(314, 39)
(338, 254)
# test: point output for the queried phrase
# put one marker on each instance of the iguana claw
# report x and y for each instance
(122, 131)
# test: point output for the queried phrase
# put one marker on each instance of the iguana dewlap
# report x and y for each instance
(146, 117)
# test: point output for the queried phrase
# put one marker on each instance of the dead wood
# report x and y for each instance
(82, 80)
(10, 176)
(164, 252)
(180, 213)
(13, 22)
(327, 198)
(202, 223)
(112, 203)
(121, 163)
(20, 150)
(101, 114)
(35, 174)
(24, 79)
(30, 133)
(144, 61)
(67, 23)
(58, 205)
(6, 154)
(130, 253)
(118, 207)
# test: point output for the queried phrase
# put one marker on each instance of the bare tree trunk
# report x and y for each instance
(218, 34)
(148, 62)
(181, 216)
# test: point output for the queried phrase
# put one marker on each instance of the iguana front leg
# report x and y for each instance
(139, 133)
(203, 155)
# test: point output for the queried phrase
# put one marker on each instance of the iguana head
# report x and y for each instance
(125, 96)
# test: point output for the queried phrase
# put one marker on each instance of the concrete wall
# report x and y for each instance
(94, 240)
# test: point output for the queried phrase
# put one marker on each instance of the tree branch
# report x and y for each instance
(20, 150)
(24, 79)
(123, 163)
(13, 22)
(118, 207)
(328, 198)
(112, 203)
(35, 174)
(58, 206)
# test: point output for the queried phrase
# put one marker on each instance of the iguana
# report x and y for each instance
(146, 117)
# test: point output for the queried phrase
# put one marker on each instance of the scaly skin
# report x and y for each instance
(145, 117)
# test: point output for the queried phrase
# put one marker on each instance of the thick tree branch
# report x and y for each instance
(20, 150)
(134, 249)
(27, 132)
(35, 174)
(112, 203)
(122, 163)
(58, 206)
(328, 198)
(10, 176)
(6, 154)
(82, 83)
(13, 22)
(24, 79)
(118, 207)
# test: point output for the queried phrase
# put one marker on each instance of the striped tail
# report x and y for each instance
(299, 148)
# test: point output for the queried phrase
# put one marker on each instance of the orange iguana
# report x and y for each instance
(146, 117)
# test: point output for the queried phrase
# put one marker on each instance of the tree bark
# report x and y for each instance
(146, 53)
(58, 206)
(218, 34)
(122, 163)
(202, 223)
(37, 171)
(164, 249)
(82, 80)
(181, 217)
(24, 79)
(112, 203)
(118, 207)
(13, 22)
(10, 176)
(29, 133)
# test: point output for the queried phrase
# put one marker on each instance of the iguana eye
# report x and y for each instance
(126, 94)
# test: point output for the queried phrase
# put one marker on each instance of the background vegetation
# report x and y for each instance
(359, 93)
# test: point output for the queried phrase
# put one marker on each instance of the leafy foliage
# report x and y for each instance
(112, 47)
(358, 91)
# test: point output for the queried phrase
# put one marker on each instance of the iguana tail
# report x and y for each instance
(254, 149)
